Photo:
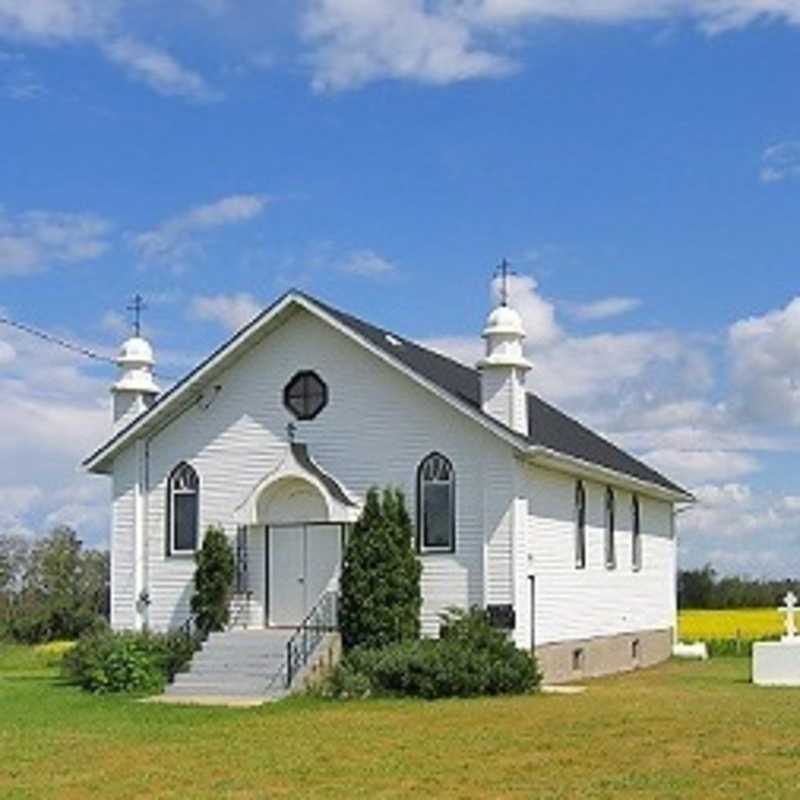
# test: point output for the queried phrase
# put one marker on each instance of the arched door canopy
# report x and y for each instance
(297, 491)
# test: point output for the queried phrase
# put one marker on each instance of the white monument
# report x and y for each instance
(778, 663)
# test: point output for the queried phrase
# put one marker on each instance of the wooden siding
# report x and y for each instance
(572, 603)
(376, 429)
(123, 609)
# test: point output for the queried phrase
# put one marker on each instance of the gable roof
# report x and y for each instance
(548, 428)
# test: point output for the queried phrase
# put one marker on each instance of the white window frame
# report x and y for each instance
(580, 525)
(421, 482)
(637, 553)
(610, 543)
(182, 469)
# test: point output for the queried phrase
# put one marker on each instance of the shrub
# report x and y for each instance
(471, 658)
(380, 582)
(737, 648)
(130, 662)
(213, 581)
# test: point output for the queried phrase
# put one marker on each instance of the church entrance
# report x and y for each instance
(303, 562)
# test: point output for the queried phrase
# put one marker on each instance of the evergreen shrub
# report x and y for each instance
(471, 658)
(380, 597)
(213, 581)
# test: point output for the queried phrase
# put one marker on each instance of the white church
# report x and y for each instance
(568, 541)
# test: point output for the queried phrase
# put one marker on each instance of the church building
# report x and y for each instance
(567, 540)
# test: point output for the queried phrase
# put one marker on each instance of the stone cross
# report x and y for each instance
(789, 610)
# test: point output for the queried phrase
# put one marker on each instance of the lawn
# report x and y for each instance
(739, 623)
(680, 730)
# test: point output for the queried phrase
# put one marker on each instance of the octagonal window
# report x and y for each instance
(305, 395)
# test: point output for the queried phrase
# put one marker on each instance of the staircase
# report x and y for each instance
(236, 664)
(259, 664)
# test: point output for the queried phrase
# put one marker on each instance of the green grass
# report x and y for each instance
(684, 729)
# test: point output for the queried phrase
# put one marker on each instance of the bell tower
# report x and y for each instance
(504, 366)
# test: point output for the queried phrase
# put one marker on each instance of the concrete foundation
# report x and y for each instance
(776, 663)
(603, 655)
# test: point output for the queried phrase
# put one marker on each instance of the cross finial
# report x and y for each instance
(137, 305)
(503, 271)
(789, 610)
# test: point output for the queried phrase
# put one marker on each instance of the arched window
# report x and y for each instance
(580, 525)
(183, 496)
(636, 534)
(611, 547)
(436, 505)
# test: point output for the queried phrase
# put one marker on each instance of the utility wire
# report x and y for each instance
(74, 348)
(47, 337)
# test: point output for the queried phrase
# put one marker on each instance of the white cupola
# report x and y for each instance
(503, 369)
(135, 390)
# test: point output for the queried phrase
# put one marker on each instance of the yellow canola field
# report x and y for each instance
(742, 623)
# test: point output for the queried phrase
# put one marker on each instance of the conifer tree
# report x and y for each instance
(380, 592)
(213, 581)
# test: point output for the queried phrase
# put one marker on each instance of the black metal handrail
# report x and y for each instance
(191, 630)
(321, 620)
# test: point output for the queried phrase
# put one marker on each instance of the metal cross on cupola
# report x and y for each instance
(136, 307)
(504, 272)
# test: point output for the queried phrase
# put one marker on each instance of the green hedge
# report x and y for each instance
(128, 662)
(738, 648)
(471, 658)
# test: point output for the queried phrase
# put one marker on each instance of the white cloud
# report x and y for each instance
(174, 242)
(734, 509)
(159, 70)
(358, 41)
(53, 20)
(766, 365)
(606, 308)
(100, 23)
(367, 264)
(56, 410)
(538, 314)
(781, 162)
(688, 467)
(231, 311)
(354, 42)
(32, 241)
(7, 353)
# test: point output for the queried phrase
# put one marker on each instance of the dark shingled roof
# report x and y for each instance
(547, 426)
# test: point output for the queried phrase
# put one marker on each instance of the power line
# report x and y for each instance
(47, 337)
(74, 348)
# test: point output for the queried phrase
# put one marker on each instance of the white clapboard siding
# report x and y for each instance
(376, 429)
(122, 540)
(575, 603)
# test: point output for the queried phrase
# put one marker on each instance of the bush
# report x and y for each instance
(471, 658)
(129, 662)
(213, 581)
(737, 648)
(380, 583)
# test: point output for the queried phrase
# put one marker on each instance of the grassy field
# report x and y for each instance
(686, 730)
(740, 623)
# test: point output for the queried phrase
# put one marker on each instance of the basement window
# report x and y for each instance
(577, 659)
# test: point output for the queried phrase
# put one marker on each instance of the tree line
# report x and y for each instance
(51, 587)
(703, 588)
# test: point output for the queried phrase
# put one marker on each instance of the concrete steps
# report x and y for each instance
(236, 663)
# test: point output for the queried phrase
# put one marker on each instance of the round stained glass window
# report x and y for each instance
(305, 395)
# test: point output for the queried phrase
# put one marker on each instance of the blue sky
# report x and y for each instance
(639, 163)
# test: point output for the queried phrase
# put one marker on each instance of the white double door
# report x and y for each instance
(304, 560)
